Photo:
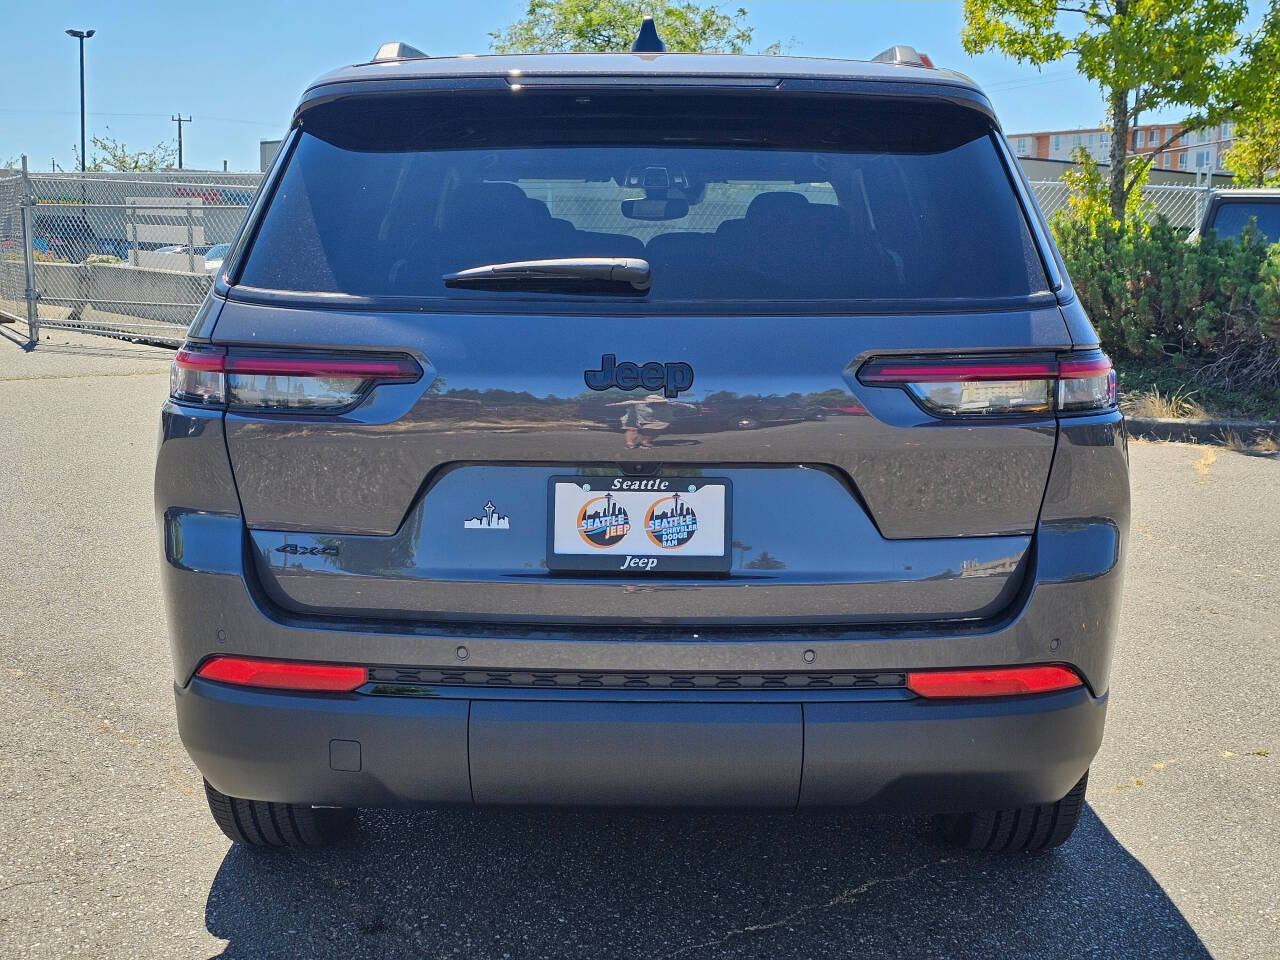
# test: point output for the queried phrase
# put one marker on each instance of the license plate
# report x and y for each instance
(639, 524)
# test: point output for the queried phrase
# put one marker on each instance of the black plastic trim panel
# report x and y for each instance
(385, 680)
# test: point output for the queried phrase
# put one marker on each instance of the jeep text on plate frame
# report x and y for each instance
(692, 516)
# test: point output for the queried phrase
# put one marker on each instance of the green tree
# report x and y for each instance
(602, 26)
(112, 154)
(1254, 158)
(1144, 55)
(1088, 201)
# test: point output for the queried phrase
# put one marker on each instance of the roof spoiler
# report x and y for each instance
(397, 51)
(901, 55)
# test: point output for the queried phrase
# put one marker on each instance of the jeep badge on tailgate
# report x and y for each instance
(672, 378)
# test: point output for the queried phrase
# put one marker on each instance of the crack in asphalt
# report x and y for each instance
(37, 378)
(839, 900)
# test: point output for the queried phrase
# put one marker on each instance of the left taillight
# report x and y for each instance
(1001, 385)
(285, 382)
(198, 375)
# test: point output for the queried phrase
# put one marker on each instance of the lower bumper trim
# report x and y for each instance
(902, 755)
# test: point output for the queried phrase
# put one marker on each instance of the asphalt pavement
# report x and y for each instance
(107, 849)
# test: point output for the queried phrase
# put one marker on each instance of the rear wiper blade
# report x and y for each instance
(569, 274)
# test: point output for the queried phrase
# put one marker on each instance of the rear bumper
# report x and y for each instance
(894, 753)
(802, 746)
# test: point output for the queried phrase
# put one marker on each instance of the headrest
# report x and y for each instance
(486, 202)
(784, 205)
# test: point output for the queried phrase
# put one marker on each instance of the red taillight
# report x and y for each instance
(283, 674)
(1008, 385)
(379, 368)
(197, 375)
(258, 380)
(1090, 365)
(994, 682)
(1086, 383)
(210, 361)
(955, 370)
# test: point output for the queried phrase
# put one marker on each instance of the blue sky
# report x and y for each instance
(237, 67)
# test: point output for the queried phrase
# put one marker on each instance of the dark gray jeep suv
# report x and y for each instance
(643, 429)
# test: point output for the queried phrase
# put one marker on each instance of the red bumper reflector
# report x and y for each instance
(996, 682)
(283, 675)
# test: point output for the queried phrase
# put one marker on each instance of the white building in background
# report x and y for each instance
(1201, 151)
(267, 150)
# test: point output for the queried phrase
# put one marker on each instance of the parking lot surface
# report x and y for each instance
(107, 849)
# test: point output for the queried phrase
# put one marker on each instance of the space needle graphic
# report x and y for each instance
(492, 520)
(673, 527)
(605, 516)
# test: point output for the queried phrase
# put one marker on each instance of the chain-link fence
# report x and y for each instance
(1182, 206)
(124, 254)
(13, 283)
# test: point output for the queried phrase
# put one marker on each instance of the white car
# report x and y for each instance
(213, 257)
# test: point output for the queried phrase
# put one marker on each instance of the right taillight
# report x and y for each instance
(1085, 382)
(266, 381)
(999, 385)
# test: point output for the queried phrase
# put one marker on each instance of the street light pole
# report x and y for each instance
(82, 36)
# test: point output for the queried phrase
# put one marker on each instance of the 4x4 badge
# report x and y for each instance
(670, 378)
(297, 550)
(492, 520)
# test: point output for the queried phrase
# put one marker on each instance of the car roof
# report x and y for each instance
(694, 66)
(1249, 193)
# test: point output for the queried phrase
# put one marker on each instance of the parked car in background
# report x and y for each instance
(1228, 211)
(214, 256)
(200, 249)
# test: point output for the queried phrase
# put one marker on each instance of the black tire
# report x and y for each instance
(257, 823)
(1019, 829)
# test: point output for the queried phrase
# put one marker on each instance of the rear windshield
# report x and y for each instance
(1230, 218)
(727, 199)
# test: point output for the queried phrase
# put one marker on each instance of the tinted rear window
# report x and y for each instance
(739, 198)
(1230, 219)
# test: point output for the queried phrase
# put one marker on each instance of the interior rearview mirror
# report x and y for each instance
(646, 208)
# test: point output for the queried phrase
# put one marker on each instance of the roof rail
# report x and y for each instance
(397, 51)
(901, 55)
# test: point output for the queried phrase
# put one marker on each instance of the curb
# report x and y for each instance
(1201, 431)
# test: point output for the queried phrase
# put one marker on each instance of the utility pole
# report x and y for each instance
(180, 120)
(82, 36)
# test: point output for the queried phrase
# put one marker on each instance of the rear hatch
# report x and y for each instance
(704, 445)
